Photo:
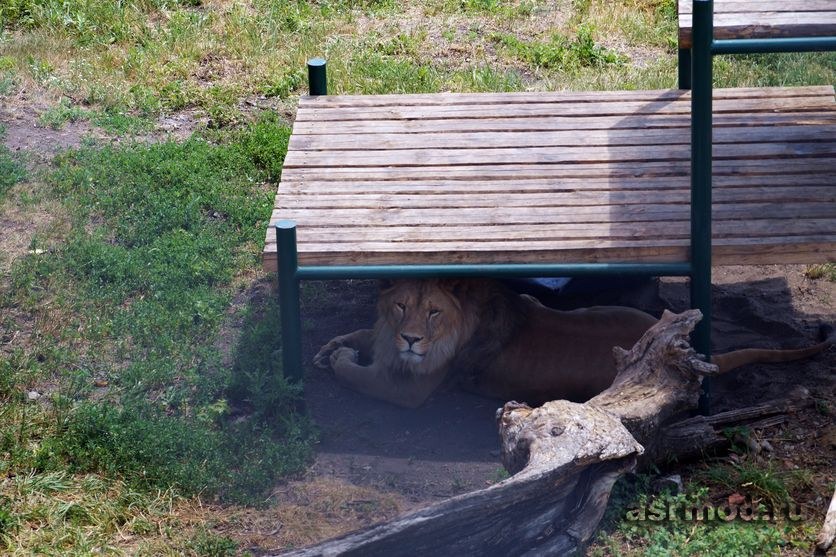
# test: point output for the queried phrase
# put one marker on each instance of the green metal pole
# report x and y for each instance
(494, 270)
(790, 44)
(684, 68)
(701, 181)
(317, 80)
(289, 300)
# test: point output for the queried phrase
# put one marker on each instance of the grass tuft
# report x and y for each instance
(560, 52)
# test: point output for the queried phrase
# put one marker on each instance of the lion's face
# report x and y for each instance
(424, 318)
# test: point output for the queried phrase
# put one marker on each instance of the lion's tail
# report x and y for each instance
(732, 360)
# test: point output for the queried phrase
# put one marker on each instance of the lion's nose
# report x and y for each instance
(410, 339)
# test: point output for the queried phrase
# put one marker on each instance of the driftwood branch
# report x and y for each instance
(564, 457)
(694, 437)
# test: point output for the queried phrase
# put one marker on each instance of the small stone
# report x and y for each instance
(33, 396)
(671, 484)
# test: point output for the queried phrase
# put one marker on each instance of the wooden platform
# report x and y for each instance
(751, 19)
(556, 177)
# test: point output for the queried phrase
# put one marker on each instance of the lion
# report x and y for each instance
(496, 343)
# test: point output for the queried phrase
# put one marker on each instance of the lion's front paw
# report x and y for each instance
(344, 354)
(323, 357)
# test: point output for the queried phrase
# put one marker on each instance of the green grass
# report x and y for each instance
(143, 278)
(561, 52)
(11, 169)
(62, 113)
(627, 532)
(111, 120)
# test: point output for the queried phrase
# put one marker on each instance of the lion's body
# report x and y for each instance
(494, 342)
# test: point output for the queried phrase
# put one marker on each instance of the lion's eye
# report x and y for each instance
(400, 306)
(434, 312)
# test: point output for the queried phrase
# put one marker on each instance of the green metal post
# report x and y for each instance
(684, 68)
(317, 81)
(701, 124)
(289, 300)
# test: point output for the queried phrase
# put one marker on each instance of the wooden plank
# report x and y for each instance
(658, 183)
(520, 246)
(504, 99)
(546, 215)
(554, 199)
(621, 137)
(545, 171)
(800, 249)
(559, 123)
(784, 252)
(819, 22)
(747, 105)
(604, 254)
(546, 155)
(399, 235)
(754, 6)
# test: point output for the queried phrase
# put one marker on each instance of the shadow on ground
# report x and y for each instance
(450, 445)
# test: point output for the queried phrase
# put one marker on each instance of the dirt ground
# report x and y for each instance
(450, 445)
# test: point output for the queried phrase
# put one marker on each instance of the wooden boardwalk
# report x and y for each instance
(763, 19)
(556, 177)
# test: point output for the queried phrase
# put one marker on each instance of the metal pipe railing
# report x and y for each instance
(493, 270)
(760, 46)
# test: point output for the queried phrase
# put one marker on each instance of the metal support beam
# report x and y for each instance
(493, 271)
(754, 46)
(684, 68)
(317, 79)
(289, 309)
(701, 124)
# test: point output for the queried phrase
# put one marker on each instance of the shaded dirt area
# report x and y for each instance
(450, 445)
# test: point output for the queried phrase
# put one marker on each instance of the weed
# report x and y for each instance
(285, 84)
(383, 74)
(57, 116)
(208, 544)
(487, 79)
(824, 270)
(41, 70)
(120, 123)
(499, 475)
(767, 482)
(560, 52)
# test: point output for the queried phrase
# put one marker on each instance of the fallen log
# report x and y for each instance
(564, 457)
